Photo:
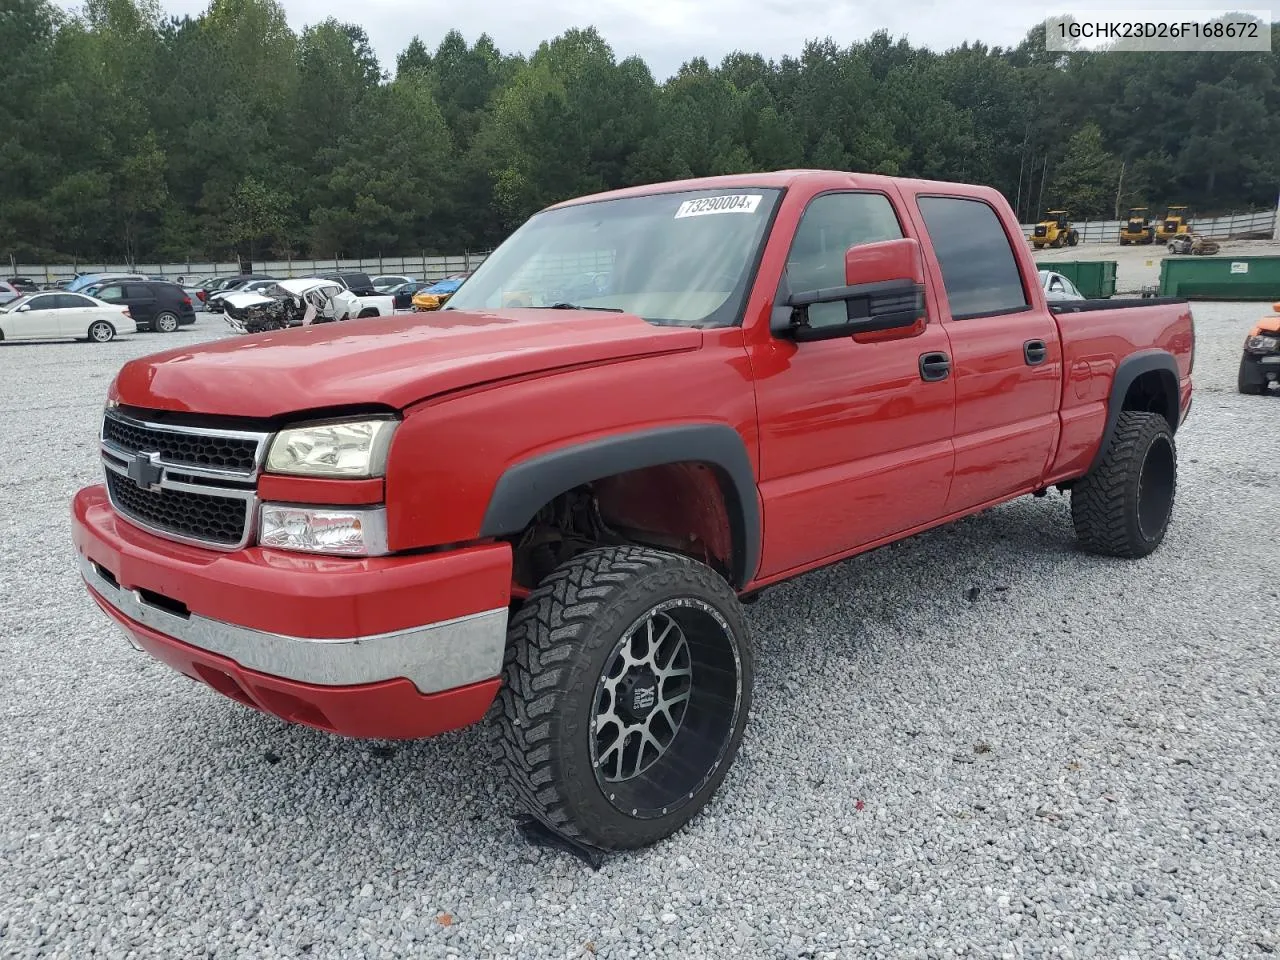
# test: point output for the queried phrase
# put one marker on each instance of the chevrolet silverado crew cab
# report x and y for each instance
(543, 506)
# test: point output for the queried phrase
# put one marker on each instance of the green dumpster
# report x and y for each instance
(1095, 279)
(1220, 278)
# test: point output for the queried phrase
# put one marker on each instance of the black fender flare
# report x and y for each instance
(1129, 370)
(526, 486)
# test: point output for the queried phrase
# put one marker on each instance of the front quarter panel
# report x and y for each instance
(450, 452)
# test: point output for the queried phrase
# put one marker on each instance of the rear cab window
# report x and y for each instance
(979, 268)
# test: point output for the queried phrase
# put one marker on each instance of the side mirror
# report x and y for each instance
(884, 290)
(25, 308)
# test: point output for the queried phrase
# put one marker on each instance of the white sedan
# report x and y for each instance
(1057, 287)
(63, 316)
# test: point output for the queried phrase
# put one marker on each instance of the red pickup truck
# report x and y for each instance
(547, 502)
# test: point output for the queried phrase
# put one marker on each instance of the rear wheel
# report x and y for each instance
(166, 322)
(1123, 508)
(1073, 238)
(627, 687)
(101, 332)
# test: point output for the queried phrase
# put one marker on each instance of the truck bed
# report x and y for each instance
(1098, 337)
(1125, 303)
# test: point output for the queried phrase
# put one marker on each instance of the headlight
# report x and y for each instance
(1262, 344)
(356, 448)
(351, 531)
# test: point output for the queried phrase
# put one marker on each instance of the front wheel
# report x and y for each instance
(1123, 507)
(101, 332)
(627, 686)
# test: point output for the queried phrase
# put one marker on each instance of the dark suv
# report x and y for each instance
(358, 283)
(154, 304)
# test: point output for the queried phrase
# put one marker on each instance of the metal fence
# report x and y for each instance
(1259, 225)
(417, 268)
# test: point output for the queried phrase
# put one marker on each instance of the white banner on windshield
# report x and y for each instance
(733, 203)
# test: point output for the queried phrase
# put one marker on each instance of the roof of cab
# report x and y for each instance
(782, 179)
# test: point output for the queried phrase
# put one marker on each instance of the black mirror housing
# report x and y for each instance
(870, 308)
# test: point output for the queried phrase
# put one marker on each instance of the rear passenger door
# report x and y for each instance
(141, 300)
(1006, 356)
(75, 314)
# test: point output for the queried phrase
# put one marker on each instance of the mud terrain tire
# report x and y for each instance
(1123, 507)
(627, 685)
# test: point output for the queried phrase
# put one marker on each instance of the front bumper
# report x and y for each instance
(393, 647)
(1261, 367)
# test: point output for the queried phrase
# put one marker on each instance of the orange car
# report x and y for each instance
(435, 296)
(1260, 364)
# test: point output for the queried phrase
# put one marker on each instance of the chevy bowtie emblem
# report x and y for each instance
(145, 471)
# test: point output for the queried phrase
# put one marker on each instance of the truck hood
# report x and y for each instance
(394, 361)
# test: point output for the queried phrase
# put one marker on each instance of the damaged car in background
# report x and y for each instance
(290, 303)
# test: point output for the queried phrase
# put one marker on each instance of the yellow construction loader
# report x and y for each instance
(1138, 228)
(1054, 232)
(1174, 223)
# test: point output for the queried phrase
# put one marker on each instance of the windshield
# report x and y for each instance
(14, 304)
(681, 258)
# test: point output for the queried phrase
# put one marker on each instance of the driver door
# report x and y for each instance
(855, 442)
(40, 320)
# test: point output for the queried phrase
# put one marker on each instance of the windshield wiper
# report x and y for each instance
(573, 306)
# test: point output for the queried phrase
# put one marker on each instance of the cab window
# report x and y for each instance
(979, 271)
(831, 224)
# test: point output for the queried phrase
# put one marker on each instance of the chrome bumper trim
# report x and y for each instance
(435, 657)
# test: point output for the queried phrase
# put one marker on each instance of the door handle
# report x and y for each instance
(1034, 352)
(934, 366)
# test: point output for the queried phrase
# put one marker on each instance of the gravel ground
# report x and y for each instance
(977, 743)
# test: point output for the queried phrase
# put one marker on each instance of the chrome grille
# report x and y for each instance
(221, 451)
(220, 520)
(195, 485)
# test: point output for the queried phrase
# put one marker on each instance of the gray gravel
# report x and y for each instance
(1079, 761)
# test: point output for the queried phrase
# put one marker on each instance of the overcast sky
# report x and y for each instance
(668, 32)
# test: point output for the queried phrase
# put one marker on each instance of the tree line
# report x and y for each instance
(128, 134)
